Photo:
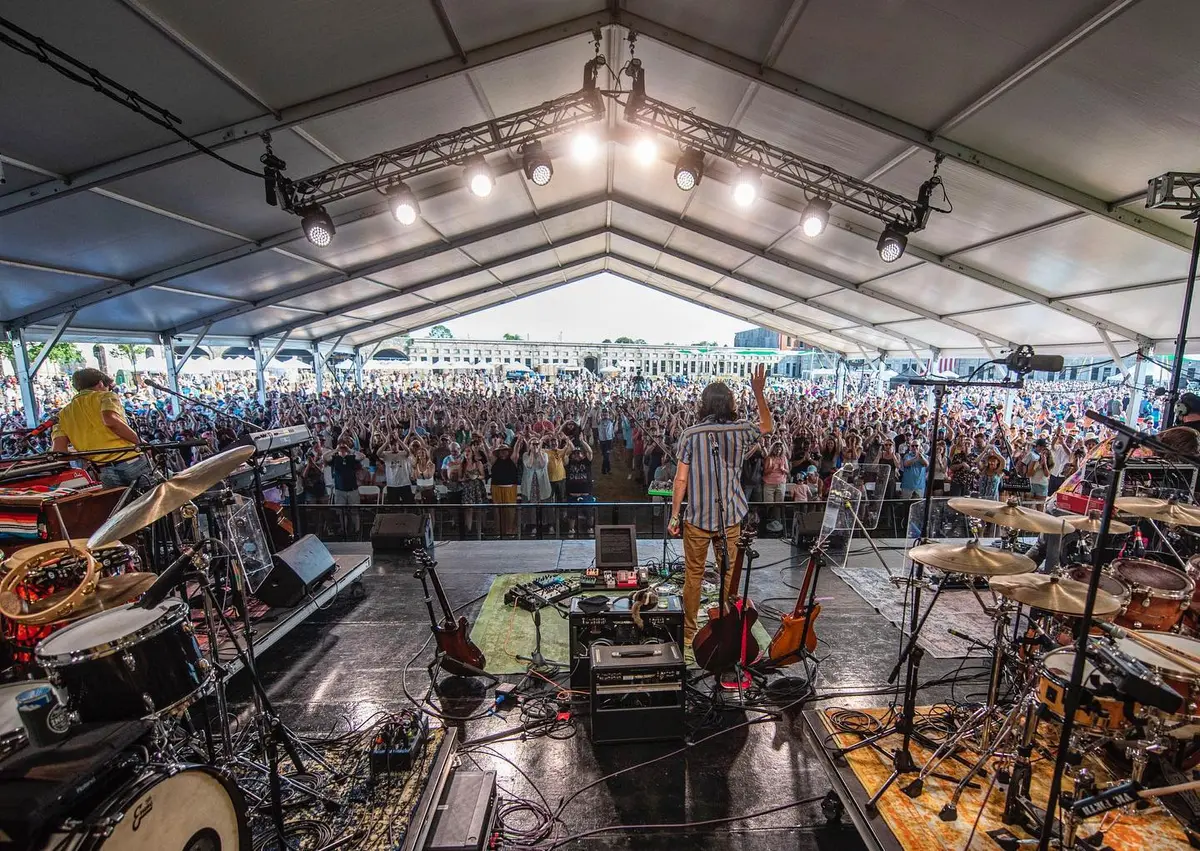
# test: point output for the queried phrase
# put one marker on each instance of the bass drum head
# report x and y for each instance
(194, 809)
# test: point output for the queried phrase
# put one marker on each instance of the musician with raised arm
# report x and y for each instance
(710, 466)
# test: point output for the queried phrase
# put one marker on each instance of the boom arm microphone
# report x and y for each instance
(171, 577)
(1022, 360)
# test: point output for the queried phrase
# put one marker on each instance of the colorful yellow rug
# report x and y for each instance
(916, 825)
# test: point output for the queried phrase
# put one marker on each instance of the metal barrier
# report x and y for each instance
(548, 521)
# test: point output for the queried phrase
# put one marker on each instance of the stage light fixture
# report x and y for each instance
(403, 204)
(645, 151)
(892, 243)
(745, 188)
(318, 227)
(689, 169)
(479, 176)
(585, 147)
(815, 217)
(536, 164)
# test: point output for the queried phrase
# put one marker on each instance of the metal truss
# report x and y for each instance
(816, 179)
(379, 171)
(1175, 190)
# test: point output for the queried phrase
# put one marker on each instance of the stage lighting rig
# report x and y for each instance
(689, 169)
(403, 204)
(815, 217)
(892, 242)
(585, 147)
(645, 151)
(1175, 190)
(700, 137)
(536, 164)
(318, 227)
(746, 187)
(479, 177)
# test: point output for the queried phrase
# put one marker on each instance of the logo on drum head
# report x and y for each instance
(141, 811)
(59, 720)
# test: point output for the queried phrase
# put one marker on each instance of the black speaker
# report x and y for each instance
(394, 532)
(298, 570)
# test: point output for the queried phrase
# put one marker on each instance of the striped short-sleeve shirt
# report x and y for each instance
(712, 477)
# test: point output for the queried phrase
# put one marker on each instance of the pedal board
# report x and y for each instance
(542, 592)
(398, 745)
(615, 580)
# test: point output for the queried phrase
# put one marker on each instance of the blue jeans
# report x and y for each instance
(124, 473)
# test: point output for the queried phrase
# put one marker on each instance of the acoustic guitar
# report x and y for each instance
(796, 630)
(459, 655)
(727, 640)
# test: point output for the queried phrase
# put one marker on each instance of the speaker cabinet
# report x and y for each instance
(297, 571)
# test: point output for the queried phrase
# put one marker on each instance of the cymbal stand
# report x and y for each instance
(984, 719)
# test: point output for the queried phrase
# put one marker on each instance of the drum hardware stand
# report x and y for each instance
(1126, 440)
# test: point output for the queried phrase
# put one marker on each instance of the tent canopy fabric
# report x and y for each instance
(133, 234)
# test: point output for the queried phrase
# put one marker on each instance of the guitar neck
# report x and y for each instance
(431, 567)
(802, 597)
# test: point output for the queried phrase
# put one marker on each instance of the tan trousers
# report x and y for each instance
(696, 542)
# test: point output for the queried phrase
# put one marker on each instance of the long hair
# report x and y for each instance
(716, 403)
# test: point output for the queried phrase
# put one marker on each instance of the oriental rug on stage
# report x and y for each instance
(915, 822)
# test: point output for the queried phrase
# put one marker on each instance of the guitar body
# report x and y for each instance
(726, 639)
(454, 640)
(785, 644)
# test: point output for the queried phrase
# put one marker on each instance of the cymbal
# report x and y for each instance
(1054, 594)
(111, 592)
(971, 558)
(1008, 514)
(1091, 523)
(167, 496)
(1163, 510)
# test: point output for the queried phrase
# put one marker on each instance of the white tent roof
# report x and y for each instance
(1052, 117)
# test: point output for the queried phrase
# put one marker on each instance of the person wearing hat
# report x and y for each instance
(1187, 411)
(95, 419)
(504, 488)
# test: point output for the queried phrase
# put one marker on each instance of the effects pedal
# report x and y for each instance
(615, 580)
(542, 592)
(398, 744)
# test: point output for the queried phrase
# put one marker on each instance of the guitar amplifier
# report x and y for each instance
(396, 532)
(614, 624)
(637, 693)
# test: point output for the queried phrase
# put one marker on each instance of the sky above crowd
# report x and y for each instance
(600, 307)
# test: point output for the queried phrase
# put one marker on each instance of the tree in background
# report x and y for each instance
(606, 340)
(440, 332)
(131, 352)
(638, 342)
(63, 354)
(508, 336)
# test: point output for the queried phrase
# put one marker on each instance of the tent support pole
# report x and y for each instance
(1181, 340)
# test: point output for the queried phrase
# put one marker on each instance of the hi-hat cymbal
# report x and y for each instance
(1054, 594)
(174, 493)
(1091, 523)
(971, 558)
(1008, 514)
(1163, 510)
(111, 592)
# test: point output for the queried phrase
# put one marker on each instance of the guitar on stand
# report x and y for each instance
(796, 635)
(456, 653)
(726, 642)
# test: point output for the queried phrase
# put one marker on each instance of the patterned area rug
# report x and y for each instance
(958, 610)
(916, 825)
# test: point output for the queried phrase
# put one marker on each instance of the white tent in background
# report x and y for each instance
(823, 371)
(609, 370)
(234, 365)
(516, 367)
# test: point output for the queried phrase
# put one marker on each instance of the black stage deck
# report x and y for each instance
(347, 661)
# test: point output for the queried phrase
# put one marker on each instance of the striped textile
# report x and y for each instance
(711, 478)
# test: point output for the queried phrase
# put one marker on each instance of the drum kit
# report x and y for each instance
(1142, 669)
(111, 659)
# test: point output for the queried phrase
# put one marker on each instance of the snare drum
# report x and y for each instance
(12, 731)
(1176, 676)
(126, 663)
(187, 807)
(1159, 593)
(1106, 714)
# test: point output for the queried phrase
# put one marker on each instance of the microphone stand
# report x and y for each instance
(1124, 443)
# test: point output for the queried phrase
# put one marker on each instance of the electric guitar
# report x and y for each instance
(796, 633)
(726, 639)
(459, 655)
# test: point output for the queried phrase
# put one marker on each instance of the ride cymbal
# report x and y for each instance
(1163, 510)
(1091, 523)
(174, 493)
(1054, 594)
(971, 558)
(111, 592)
(1008, 514)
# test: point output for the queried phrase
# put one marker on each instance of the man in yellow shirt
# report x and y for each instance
(95, 419)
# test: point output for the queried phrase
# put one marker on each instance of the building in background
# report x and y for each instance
(765, 338)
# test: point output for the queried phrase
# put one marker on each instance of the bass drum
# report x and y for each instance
(181, 808)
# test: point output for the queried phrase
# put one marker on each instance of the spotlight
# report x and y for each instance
(745, 188)
(645, 151)
(317, 225)
(892, 243)
(584, 147)
(479, 176)
(815, 217)
(536, 163)
(403, 204)
(689, 168)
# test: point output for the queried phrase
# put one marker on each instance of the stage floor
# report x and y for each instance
(347, 661)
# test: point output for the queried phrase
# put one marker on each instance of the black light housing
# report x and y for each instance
(892, 242)
(536, 164)
(689, 169)
(318, 226)
(403, 204)
(815, 217)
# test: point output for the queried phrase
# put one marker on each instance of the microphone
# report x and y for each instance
(1022, 360)
(169, 578)
(158, 386)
